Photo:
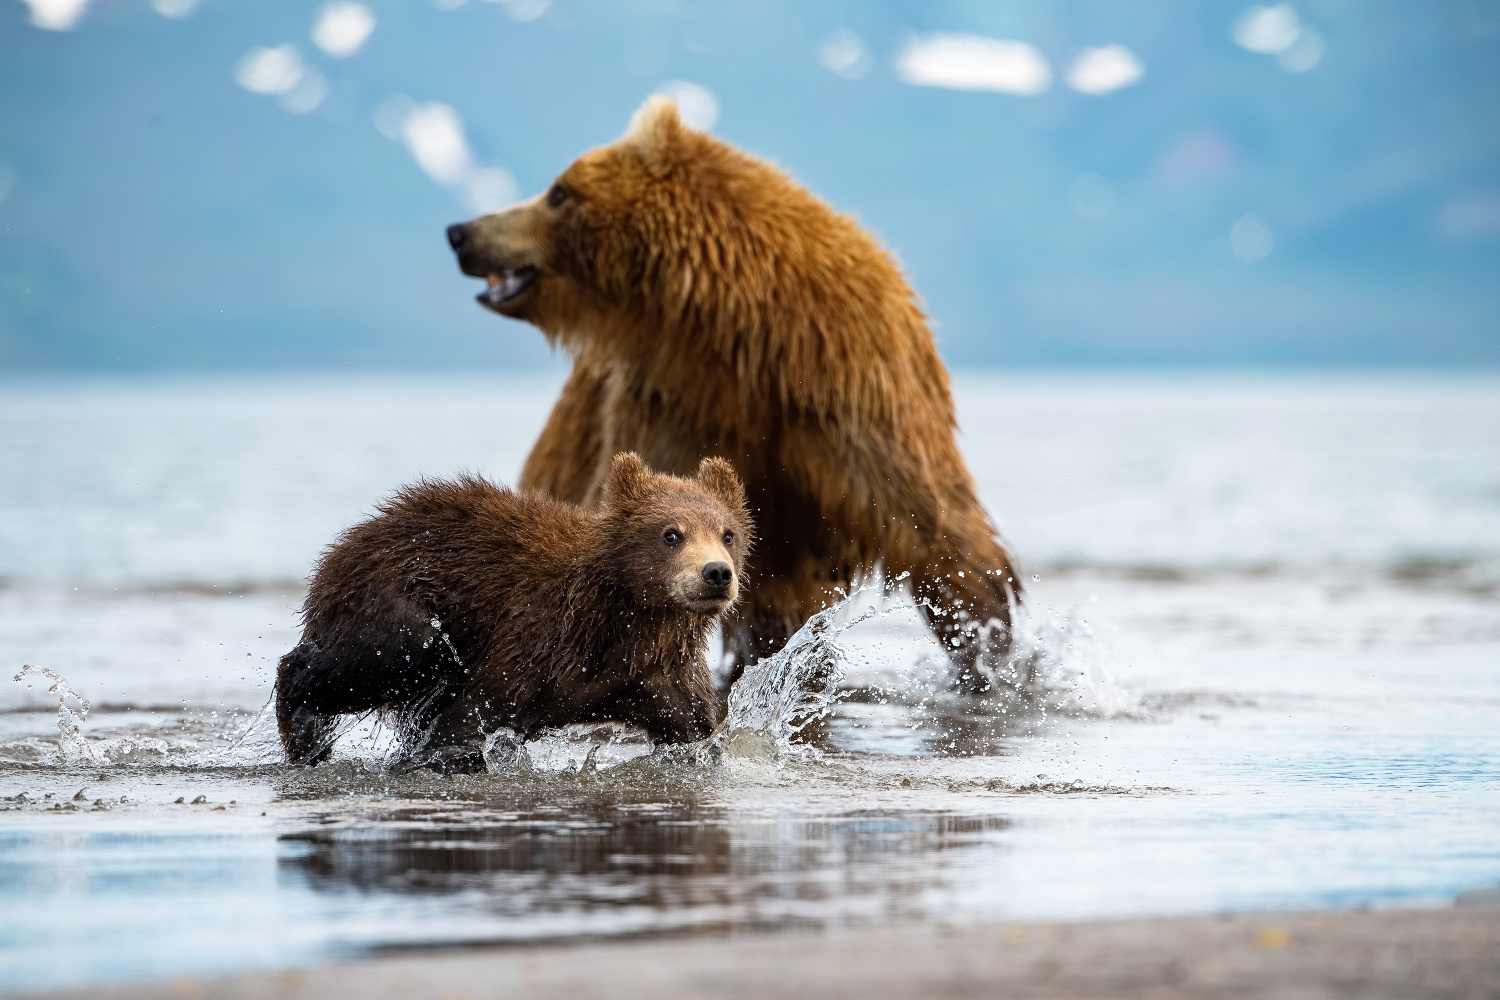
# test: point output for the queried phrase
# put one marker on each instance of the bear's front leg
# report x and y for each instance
(968, 609)
(304, 715)
(678, 709)
(454, 738)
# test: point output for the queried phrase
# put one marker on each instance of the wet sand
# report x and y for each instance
(1452, 952)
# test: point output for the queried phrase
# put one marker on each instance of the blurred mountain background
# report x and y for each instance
(230, 184)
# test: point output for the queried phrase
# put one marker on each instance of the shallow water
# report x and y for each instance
(1266, 671)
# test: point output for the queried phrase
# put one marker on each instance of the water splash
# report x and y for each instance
(780, 696)
(1057, 663)
(72, 746)
(188, 741)
(392, 743)
(259, 744)
(581, 749)
(1055, 666)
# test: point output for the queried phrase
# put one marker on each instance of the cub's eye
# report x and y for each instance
(556, 196)
(728, 538)
(672, 537)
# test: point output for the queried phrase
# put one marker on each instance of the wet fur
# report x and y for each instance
(465, 607)
(712, 306)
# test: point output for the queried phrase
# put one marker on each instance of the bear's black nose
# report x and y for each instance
(458, 233)
(718, 575)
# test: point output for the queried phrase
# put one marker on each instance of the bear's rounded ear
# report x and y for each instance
(654, 128)
(627, 479)
(717, 476)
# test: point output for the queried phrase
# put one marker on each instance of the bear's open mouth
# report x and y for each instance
(507, 285)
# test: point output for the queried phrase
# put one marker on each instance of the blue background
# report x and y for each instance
(162, 216)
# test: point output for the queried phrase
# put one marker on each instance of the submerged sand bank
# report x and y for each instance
(1414, 953)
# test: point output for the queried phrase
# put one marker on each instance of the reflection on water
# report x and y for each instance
(646, 868)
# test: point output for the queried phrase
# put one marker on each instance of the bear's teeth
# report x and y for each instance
(504, 286)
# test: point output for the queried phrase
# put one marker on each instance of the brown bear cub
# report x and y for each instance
(464, 608)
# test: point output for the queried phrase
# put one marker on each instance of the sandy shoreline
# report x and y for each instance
(1451, 952)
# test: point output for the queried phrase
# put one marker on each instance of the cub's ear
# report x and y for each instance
(655, 129)
(718, 477)
(627, 479)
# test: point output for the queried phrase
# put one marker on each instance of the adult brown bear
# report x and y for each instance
(712, 306)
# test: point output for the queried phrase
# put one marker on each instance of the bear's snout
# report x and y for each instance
(718, 575)
(703, 579)
(506, 249)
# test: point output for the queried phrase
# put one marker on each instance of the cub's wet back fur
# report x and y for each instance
(465, 607)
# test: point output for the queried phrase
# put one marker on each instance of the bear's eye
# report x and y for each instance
(728, 538)
(556, 196)
(672, 537)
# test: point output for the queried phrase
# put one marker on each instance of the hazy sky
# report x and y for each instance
(231, 183)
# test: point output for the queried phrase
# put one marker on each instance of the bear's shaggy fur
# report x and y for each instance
(464, 607)
(712, 306)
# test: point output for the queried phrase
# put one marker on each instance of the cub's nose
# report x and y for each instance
(718, 575)
(458, 234)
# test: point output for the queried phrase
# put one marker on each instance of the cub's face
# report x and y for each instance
(683, 541)
(700, 554)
